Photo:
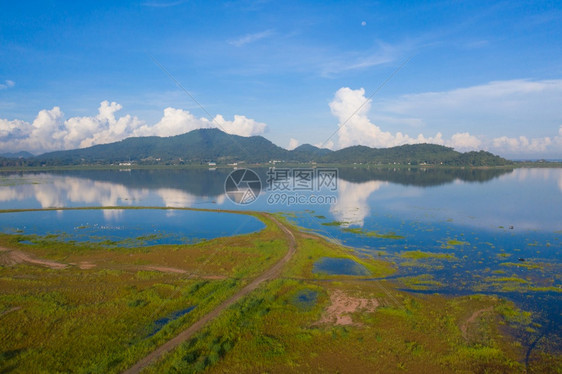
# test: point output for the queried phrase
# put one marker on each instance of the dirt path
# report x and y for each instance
(10, 310)
(13, 257)
(186, 334)
(471, 319)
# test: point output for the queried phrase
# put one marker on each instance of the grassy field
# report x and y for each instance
(103, 309)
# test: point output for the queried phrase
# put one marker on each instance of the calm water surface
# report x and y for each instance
(123, 227)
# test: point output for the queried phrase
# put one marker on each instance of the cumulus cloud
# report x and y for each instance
(241, 125)
(521, 144)
(293, 143)
(103, 128)
(464, 141)
(7, 84)
(352, 108)
(51, 131)
(174, 122)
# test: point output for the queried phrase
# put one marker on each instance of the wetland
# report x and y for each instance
(454, 268)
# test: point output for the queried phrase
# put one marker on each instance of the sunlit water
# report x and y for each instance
(493, 231)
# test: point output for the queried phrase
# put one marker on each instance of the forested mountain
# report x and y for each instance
(212, 145)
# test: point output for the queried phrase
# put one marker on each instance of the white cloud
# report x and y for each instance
(521, 144)
(7, 84)
(50, 131)
(241, 125)
(103, 128)
(465, 141)
(174, 122)
(293, 143)
(351, 108)
(250, 38)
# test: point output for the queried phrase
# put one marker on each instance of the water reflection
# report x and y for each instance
(352, 207)
(54, 191)
(522, 198)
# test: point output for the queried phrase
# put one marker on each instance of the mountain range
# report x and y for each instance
(212, 145)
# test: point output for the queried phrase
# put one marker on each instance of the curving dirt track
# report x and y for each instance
(464, 327)
(13, 257)
(271, 273)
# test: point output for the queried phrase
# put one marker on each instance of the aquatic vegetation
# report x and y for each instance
(334, 223)
(506, 279)
(525, 265)
(372, 234)
(451, 243)
(545, 289)
(498, 272)
(419, 254)
(420, 282)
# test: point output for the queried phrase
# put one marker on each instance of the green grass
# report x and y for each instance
(266, 333)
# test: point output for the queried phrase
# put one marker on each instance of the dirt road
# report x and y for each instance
(12, 257)
(186, 334)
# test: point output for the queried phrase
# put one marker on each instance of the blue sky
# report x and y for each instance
(479, 75)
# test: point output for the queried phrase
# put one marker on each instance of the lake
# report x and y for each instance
(448, 231)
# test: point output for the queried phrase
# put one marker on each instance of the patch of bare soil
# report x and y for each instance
(85, 265)
(164, 269)
(342, 306)
(11, 257)
(465, 326)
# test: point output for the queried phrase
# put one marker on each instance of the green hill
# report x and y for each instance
(212, 145)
